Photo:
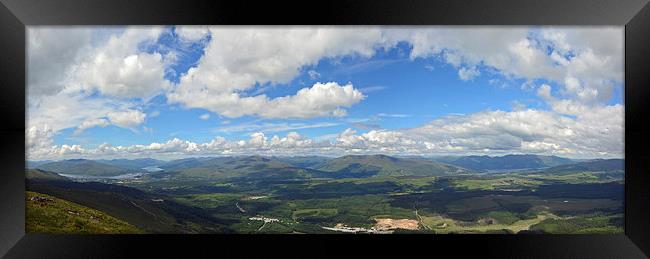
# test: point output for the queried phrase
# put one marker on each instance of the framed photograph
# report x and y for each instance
(516, 128)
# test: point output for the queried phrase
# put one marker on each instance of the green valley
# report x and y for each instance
(349, 194)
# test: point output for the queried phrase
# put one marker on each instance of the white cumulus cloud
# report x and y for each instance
(322, 99)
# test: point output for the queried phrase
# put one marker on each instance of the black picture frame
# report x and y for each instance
(633, 14)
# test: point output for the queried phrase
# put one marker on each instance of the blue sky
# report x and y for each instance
(408, 93)
(403, 92)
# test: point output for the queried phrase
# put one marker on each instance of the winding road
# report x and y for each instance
(240, 208)
(415, 207)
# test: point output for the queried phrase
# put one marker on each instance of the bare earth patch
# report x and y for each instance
(386, 224)
(250, 198)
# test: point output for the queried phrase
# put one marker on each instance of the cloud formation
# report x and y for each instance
(82, 78)
(585, 62)
(238, 58)
(322, 99)
(599, 133)
(95, 83)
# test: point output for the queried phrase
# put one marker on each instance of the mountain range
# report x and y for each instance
(507, 162)
(316, 166)
(85, 167)
(598, 165)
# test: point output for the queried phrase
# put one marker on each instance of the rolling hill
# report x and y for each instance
(34, 164)
(484, 163)
(85, 167)
(598, 165)
(242, 166)
(304, 161)
(49, 214)
(149, 212)
(43, 175)
(185, 163)
(386, 165)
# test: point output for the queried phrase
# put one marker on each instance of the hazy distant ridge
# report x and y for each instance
(505, 162)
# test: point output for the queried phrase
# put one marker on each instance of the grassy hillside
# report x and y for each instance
(593, 224)
(152, 213)
(43, 175)
(84, 167)
(383, 165)
(48, 214)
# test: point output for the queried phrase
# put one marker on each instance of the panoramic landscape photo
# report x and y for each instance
(324, 130)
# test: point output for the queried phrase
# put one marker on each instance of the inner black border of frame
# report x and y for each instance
(15, 14)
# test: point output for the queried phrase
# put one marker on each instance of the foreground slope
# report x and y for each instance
(150, 212)
(48, 214)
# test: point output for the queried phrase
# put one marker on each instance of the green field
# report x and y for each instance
(493, 183)
(314, 214)
(443, 225)
(589, 224)
(575, 178)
